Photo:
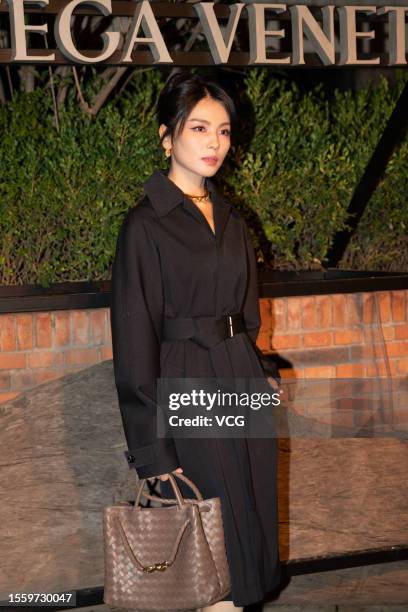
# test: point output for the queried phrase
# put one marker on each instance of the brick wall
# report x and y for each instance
(40, 346)
(337, 335)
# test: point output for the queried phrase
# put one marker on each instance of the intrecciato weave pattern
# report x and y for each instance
(188, 535)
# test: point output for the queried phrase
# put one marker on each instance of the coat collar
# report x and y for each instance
(165, 195)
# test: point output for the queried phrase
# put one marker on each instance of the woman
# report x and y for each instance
(184, 252)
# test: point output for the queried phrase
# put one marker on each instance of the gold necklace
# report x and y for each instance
(200, 198)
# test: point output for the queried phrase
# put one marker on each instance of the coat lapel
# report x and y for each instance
(221, 209)
(165, 195)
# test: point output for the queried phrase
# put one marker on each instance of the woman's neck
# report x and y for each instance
(190, 183)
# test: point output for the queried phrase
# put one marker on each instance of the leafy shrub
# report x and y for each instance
(302, 165)
(291, 172)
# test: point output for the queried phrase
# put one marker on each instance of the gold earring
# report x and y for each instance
(168, 152)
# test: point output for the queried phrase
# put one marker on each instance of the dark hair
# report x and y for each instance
(181, 92)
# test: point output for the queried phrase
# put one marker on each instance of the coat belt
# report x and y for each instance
(207, 331)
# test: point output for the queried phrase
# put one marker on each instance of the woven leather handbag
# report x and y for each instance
(165, 558)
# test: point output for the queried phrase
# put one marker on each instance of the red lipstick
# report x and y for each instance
(210, 160)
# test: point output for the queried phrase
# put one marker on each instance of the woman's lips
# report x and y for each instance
(210, 160)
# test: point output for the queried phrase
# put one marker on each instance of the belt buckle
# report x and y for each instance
(229, 325)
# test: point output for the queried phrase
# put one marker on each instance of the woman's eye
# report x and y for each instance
(225, 132)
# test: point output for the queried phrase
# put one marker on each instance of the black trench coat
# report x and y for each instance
(169, 263)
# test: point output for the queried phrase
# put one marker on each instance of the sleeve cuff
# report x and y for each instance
(154, 459)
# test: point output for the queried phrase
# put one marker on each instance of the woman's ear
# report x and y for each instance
(167, 141)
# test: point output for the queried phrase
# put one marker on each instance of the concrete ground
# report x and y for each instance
(282, 608)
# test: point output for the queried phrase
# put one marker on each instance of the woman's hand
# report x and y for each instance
(166, 476)
(273, 383)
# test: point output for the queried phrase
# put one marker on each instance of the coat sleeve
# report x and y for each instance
(136, 313)
(252, 311)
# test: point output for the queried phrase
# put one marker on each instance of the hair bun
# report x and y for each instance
(178, 76)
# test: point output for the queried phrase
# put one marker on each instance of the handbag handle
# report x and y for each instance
(179, 498)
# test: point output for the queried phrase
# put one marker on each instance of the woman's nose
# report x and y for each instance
(214, 141)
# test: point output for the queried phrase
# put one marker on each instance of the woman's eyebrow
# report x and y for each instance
(208, 123)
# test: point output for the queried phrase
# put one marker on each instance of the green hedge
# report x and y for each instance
(291, 172)
(298, 175)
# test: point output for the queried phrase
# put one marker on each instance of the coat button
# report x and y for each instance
(130, 458)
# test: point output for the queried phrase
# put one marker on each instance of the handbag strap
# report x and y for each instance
(175, 488)
(161, 565)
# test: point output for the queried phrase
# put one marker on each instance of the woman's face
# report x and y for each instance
(206, 134)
